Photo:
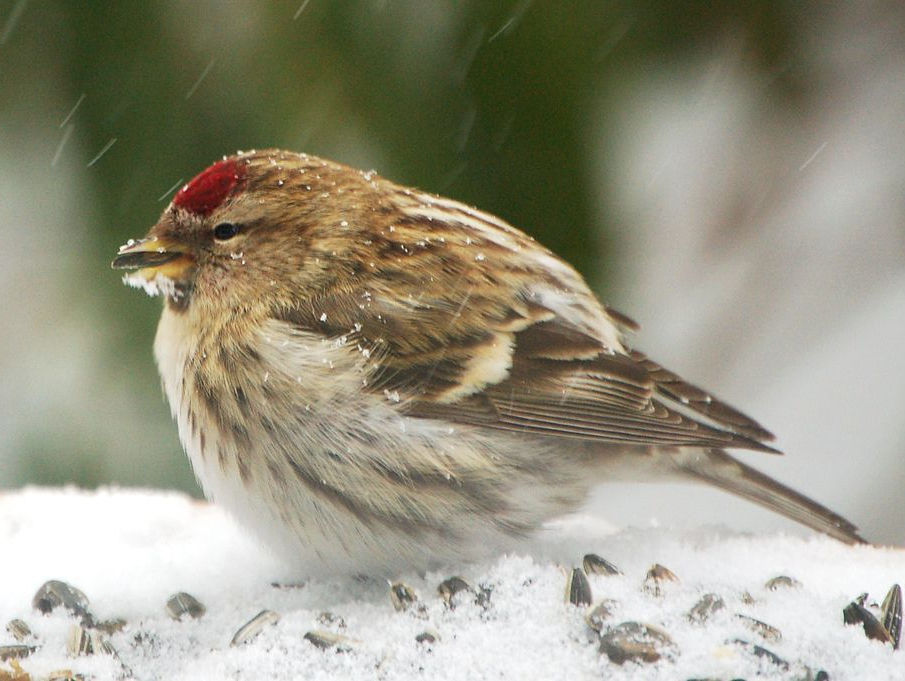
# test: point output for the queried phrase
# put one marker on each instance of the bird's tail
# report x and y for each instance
(718, 468)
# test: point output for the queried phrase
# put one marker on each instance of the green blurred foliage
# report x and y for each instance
(493, 103)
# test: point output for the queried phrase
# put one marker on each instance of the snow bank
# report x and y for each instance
(129, 551)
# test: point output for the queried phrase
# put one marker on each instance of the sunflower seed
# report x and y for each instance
(763, 629)
(655, 578)
(595, 565)
(448, 589)
(761, 652)
(855, 613)
(16, 652)
(82, 641)
(782, 582)
(327, 639)
(892, 614)
(428, 636)
(402, 596)
(54, 593)
(705, 607)
(578, 589)
(65, 675)
(184, 604)
(636, 642)
(250, 630)
(19, 630)
(110, 627)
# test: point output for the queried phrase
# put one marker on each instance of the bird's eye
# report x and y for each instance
(225, 231)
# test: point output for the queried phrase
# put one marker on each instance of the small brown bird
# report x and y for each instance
(374, 378)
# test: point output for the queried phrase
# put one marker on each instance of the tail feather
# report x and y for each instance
(720, 469)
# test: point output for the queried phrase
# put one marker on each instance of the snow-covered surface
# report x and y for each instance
(129, 551)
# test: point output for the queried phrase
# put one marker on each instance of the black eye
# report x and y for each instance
(225, 231)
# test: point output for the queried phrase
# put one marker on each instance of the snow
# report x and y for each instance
(130, 550)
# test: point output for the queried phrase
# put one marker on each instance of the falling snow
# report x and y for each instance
(101, 153)
(207, 69)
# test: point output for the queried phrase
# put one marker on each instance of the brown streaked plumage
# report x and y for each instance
(373, 377)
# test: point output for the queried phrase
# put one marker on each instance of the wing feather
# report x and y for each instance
(467, 319)
(525, 369)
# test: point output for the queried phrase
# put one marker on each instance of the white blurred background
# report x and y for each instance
(764, 253)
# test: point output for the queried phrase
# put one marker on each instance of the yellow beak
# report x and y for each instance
(153, 256)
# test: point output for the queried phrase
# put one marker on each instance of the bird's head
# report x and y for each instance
(253, 227)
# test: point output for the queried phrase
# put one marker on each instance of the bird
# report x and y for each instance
(373, 378)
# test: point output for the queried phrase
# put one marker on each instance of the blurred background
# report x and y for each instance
(731, 175)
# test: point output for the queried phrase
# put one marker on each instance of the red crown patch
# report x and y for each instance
(210, 188)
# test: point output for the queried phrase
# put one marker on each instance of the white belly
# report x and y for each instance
(349, 483)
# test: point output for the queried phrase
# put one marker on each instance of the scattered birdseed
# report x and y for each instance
(184, 604)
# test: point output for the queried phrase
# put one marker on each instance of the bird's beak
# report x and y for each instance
(154, 260)
(163, 256)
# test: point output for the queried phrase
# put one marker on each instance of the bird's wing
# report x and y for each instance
(514, 359)
(554, 386)
(466, 318)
